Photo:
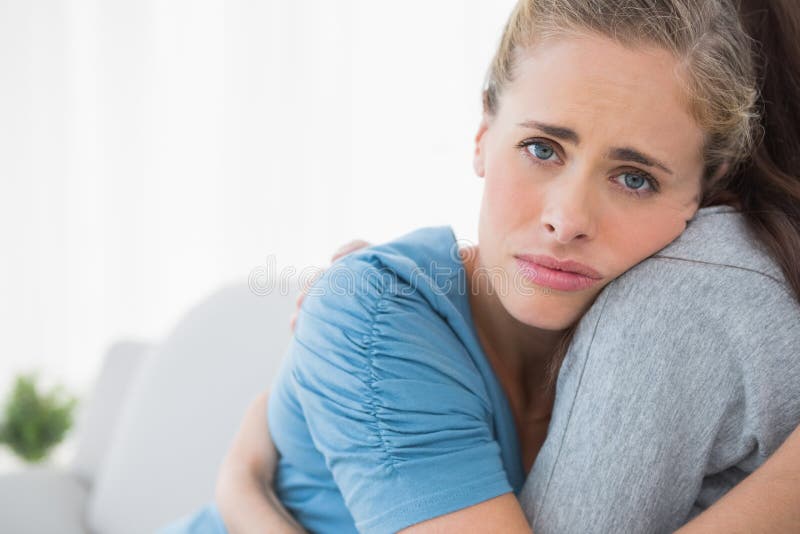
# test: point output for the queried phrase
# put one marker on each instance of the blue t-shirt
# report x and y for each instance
(386, 411)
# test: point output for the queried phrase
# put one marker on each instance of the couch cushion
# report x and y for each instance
(42, 501)
(185, 406)
(98, 421)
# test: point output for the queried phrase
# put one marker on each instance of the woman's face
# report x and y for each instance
(565, 160)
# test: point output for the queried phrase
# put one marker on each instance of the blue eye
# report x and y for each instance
(637, 182)
(634, 182)
(540, 150)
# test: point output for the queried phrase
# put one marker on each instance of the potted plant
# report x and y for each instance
(35, 421)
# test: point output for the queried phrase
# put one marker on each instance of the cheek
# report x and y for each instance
(508, 198)
(633, 237)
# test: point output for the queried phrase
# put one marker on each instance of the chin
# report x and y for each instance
(543, 311)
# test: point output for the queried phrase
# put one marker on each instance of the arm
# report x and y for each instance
(766, 501)
(244, 493)
(500, 514)
(248, 503)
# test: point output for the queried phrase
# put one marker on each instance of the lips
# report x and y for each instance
(561, 280)
(562, 265)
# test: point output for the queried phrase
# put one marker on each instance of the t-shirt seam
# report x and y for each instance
(443, 496)
(708, 214)
(778, 281)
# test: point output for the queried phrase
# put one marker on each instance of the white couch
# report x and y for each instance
(158, 423)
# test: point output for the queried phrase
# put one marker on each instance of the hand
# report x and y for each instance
(344, 250)
(244, 493)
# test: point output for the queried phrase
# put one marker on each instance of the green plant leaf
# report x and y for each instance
(36, 421)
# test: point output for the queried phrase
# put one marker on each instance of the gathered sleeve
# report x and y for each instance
(392, 398)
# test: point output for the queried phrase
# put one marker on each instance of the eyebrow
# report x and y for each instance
(616, 153)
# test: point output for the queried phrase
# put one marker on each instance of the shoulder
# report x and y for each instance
(426, 256)
(719, 239)
(716, 281)
(706, 326)
(701, 325)
(714, 297)
(420, 268)
(390, 310)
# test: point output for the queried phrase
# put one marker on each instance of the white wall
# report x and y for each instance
(152, 150)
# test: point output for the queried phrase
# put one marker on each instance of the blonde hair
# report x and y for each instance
(713, 50)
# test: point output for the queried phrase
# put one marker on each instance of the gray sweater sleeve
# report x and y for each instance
(682, 378)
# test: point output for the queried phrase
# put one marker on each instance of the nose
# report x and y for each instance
(567, 212)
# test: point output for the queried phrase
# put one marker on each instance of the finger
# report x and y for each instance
(292, 321)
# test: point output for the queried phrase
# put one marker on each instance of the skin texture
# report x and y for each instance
(570, 201)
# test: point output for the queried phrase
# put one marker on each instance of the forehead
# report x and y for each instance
(607, 93)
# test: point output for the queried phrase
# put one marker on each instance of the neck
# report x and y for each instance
(519, 353)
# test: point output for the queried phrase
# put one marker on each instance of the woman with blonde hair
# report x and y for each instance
(418, 390)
